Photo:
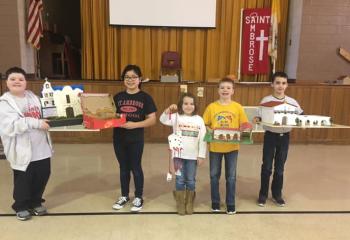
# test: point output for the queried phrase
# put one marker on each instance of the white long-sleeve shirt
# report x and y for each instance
(192, 130)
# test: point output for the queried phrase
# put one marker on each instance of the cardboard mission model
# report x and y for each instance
(68, 105)
(61, 104)
(281, 113)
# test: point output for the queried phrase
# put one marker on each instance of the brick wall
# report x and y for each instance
(325, 27)
(14, 50)
(9, 35)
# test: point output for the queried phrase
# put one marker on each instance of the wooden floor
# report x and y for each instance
(85, 183)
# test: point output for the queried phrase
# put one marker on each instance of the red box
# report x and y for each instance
(99, 111)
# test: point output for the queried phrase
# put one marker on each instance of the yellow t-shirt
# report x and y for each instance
(217, 115)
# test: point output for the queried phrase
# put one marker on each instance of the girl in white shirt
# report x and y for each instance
(191, 129)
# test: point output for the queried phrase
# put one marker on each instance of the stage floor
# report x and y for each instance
(85, 183)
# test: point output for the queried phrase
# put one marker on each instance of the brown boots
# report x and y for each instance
(184, 201)
(190, 195)
(180, 202)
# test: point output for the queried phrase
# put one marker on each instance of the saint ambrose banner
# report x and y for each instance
(255, 36)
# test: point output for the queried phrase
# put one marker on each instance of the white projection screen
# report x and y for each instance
(163, 13)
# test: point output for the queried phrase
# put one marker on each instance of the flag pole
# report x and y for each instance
(240, 47)
(1, 84)
(37, 64)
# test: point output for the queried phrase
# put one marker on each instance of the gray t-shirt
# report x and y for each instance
(39, 142)
(286, 99)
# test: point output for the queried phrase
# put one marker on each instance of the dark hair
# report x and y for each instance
(134, 68)
(181, 102)
(15, 70)
(227, 80)
(278, 74)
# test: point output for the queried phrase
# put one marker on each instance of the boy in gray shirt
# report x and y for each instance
(27, 144)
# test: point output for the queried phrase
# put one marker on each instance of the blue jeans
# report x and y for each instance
(187, 179)
(230, 175)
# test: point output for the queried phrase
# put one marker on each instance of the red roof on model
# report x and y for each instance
(227, 129)
(274, 104)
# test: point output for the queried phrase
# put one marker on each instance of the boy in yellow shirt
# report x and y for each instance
(224, 113)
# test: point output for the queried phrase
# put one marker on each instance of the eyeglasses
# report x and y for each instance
(128, 78)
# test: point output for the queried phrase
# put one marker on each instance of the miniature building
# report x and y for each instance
(227, 134)
(47, 92)
(280, 113)
(313, 120)
(68, 102)
(47, 101)
(60, 101)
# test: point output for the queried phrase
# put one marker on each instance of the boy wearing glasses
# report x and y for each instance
(276, 143)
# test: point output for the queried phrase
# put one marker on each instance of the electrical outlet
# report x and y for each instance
(183, 88)
(200, 91)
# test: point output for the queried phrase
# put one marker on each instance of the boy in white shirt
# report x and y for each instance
(276, 144)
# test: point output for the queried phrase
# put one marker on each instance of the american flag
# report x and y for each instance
(35, 26)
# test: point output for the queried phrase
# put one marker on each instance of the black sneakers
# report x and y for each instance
(279, 201)
(137, 204)
(261, 201)
(231, 209)
(215, 207)
(120, 203)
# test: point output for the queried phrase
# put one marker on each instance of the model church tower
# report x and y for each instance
(47, 101)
